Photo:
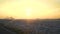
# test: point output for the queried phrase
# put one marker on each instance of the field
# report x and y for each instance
(24, 26)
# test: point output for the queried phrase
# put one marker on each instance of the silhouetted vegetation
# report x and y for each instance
(38, 26)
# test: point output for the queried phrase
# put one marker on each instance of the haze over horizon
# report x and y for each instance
(30, 9)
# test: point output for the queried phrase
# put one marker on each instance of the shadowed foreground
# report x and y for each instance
(38, 26)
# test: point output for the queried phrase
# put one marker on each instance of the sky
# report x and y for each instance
(30, 9)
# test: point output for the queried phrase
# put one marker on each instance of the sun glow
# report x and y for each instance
(28, 12)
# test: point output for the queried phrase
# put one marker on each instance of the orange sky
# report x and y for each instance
(28, 9)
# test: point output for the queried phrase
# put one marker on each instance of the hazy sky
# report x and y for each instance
(30, 9)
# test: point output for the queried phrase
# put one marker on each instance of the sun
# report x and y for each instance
(28, 12)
